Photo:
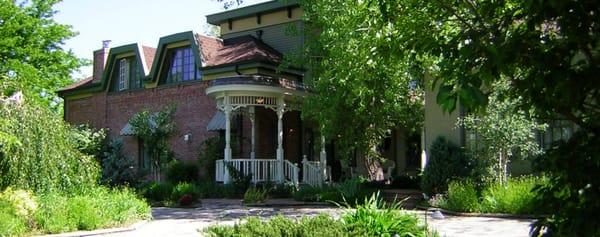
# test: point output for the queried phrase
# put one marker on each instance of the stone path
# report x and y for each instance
(186, 222)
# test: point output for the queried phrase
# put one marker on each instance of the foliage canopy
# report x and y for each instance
(365, 84)
(31, 53)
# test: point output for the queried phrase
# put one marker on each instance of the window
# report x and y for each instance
(143, 157)
(182, 66)
(124, 74)
(127, 75)
(559, 130)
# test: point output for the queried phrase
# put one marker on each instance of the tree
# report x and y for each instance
(41, 154)
(361, 89)
(549, 51)
(154, 130)
(31, 55)
(117, 168)
(503, 131)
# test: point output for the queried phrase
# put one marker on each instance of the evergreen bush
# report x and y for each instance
(446, 162)
(117, 168)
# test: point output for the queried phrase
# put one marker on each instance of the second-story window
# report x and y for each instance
(182, 66)
(124, 74)
(127, 74)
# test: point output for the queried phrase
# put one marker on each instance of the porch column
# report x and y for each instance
(323, 159)
(227, 151)
(280, 111)
(252, 116)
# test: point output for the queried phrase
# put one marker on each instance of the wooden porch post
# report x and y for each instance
(280, 111)
(252, 116)
(227, 151)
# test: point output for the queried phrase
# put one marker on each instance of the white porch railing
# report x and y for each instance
(312, 173)
(290, 172)
(262, 170)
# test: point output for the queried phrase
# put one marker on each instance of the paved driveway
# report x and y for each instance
(186, 222)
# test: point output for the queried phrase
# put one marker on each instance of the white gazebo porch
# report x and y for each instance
(242, 94)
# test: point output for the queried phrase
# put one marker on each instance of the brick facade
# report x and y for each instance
(194, 111)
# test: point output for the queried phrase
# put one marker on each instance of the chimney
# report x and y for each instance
(100, 56)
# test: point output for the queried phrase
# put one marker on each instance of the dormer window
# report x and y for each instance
(182, 66)
(126, 74)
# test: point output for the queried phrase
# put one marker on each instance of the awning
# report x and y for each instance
(127, 130)
(217, 122)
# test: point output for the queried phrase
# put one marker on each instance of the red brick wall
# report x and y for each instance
(194, 111)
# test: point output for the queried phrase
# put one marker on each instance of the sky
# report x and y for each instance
(130, 21)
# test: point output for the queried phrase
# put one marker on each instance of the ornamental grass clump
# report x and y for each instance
(376, 218)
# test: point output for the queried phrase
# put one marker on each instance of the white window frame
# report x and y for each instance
(124, 74)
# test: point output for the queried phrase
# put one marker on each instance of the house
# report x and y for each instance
(439, 123)
(231, 86)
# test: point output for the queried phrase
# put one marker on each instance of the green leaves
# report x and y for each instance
(31, 52)
(45, 157)
(154, 130)
(361, 74)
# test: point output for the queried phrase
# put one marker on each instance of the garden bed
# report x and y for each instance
(473, 214)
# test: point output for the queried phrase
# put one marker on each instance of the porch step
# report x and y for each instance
(412, 196)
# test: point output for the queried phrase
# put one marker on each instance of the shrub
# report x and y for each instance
(516, 197)
(11, 223)
(182, 189)
(307, 193)
(322, 225)
(21, 201)
(212, 149)
(95, 209)
(158, 191)
(446, 162)
(179, 172)
(41, 156)
(186, 200)
(255, 195)
(117, 168)
(239, 181)
(370, 219)
(462, 197)
(278, 190)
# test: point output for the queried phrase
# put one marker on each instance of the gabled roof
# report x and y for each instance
(144, 54)
(211, 53)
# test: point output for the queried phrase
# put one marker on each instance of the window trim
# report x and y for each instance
(124, 74)
(179, 60)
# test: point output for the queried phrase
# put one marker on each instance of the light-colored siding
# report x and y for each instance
(437, 122)
(285, 38)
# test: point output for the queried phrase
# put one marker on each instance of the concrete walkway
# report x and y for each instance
(187, 222)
